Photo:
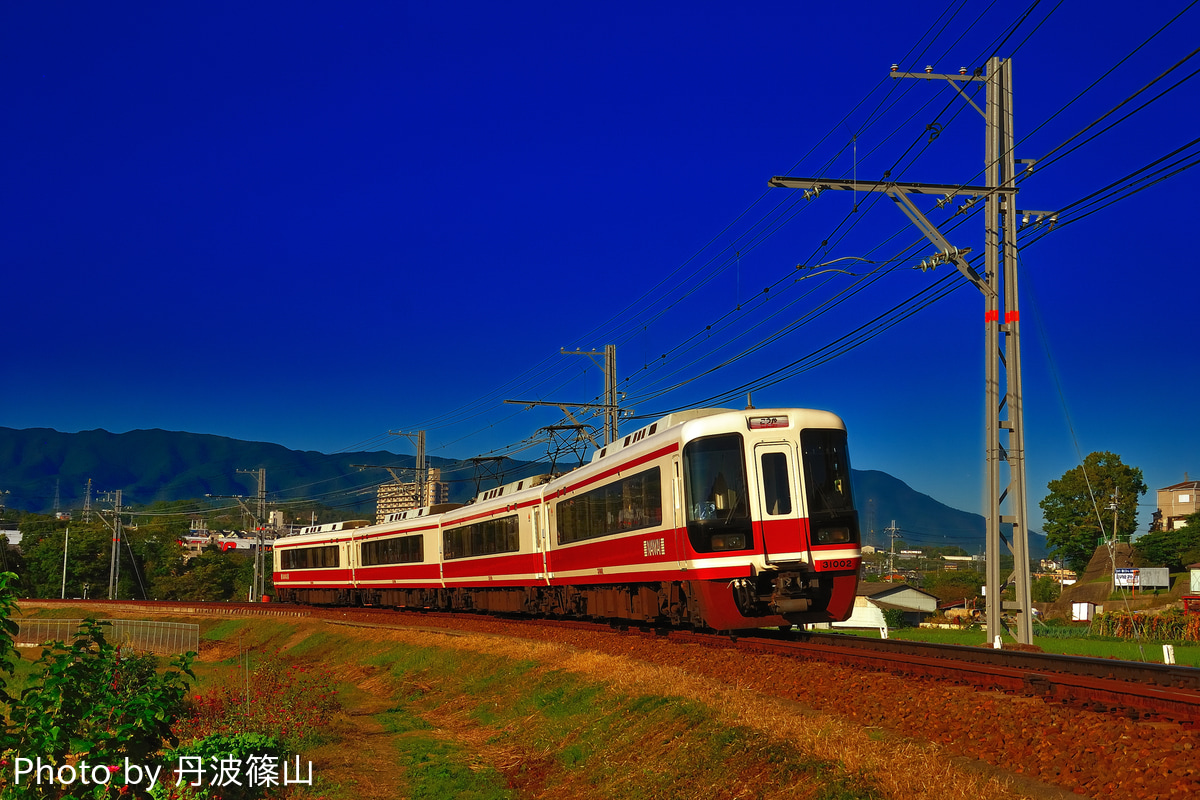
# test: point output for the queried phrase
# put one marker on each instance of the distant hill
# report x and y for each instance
(921, 520)
(153, 465)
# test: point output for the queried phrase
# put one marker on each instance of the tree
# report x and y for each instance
(1175, 549)
(1045, 590)
(954, 586)
(212, 575)
(87, 558)
(1078, 508)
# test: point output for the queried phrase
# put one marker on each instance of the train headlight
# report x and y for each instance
(729, 541)
(833, 535)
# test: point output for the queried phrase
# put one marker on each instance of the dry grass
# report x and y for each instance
(901, 768)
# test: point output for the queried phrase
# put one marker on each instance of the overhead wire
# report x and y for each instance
(448, 417)
(740, 216)
(1008, 35)
(1001, 39)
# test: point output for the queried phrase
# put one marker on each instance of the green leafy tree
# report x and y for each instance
(1077, 508)
(1174, 549)
(1045, 590)
(88, 554)
(955, 585)
(213, 575)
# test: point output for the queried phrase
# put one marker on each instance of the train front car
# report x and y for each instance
(771, 534)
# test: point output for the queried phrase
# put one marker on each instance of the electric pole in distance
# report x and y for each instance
(612, 409)
(610, 385)
(114, 563)
(258, 585)
(420, 473)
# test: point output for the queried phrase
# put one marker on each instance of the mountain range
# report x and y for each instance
(43, 469)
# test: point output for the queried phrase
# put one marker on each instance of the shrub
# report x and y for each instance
(86, 702)
(285, 699)
(239, 766)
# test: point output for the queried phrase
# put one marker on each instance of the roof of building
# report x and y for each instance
(874, 590)
(1184, 485)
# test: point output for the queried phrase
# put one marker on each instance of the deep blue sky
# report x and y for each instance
(312, 223)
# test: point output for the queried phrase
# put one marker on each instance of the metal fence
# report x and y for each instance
(164, 638)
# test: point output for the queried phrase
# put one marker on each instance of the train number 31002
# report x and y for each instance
(839, 563)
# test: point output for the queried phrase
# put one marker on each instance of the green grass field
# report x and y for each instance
(1185, 654)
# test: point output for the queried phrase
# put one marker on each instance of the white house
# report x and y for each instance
(872, 599)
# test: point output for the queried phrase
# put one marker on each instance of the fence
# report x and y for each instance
(164, 638)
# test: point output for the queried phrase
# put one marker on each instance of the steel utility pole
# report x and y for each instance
(612, 409)
(253, 594)
(259, 584)
(420, 474)
(1004, 425)
(893, 532)
(114, 563)
(610, 385)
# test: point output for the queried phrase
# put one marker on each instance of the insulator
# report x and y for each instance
(962, 70)
(895, 67)
(928, 68)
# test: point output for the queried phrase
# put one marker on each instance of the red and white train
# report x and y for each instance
(709, 518)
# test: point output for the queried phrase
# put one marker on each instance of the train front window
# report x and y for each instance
(827, 486)
(718, 517)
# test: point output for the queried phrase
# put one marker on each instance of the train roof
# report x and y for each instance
(515, 486)
(347, 525)
(660, 424)
(423, 511)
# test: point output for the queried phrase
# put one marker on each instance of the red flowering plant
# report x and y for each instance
(249, 730)
(283, 698)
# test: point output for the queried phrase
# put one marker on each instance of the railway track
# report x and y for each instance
(1137, 690)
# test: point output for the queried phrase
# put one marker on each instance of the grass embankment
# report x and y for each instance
(422, 721)
(494, 726)
(474, 716)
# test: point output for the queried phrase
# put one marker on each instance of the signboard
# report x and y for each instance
(1195, 581)
(1126, 577)
(1154, 578)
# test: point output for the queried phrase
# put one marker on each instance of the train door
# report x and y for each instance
(539, 544)
(780, 513)
(679, 529)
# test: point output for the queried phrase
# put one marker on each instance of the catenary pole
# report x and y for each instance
(1004, 405)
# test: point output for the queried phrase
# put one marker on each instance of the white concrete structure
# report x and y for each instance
(872, 599)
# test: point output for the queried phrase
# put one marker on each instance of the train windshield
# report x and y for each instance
(718, 516)
(826, 471)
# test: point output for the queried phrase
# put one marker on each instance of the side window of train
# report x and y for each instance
(489, 537)
(403, 550)
(309, 557)
(777, 490)
(628, 504)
